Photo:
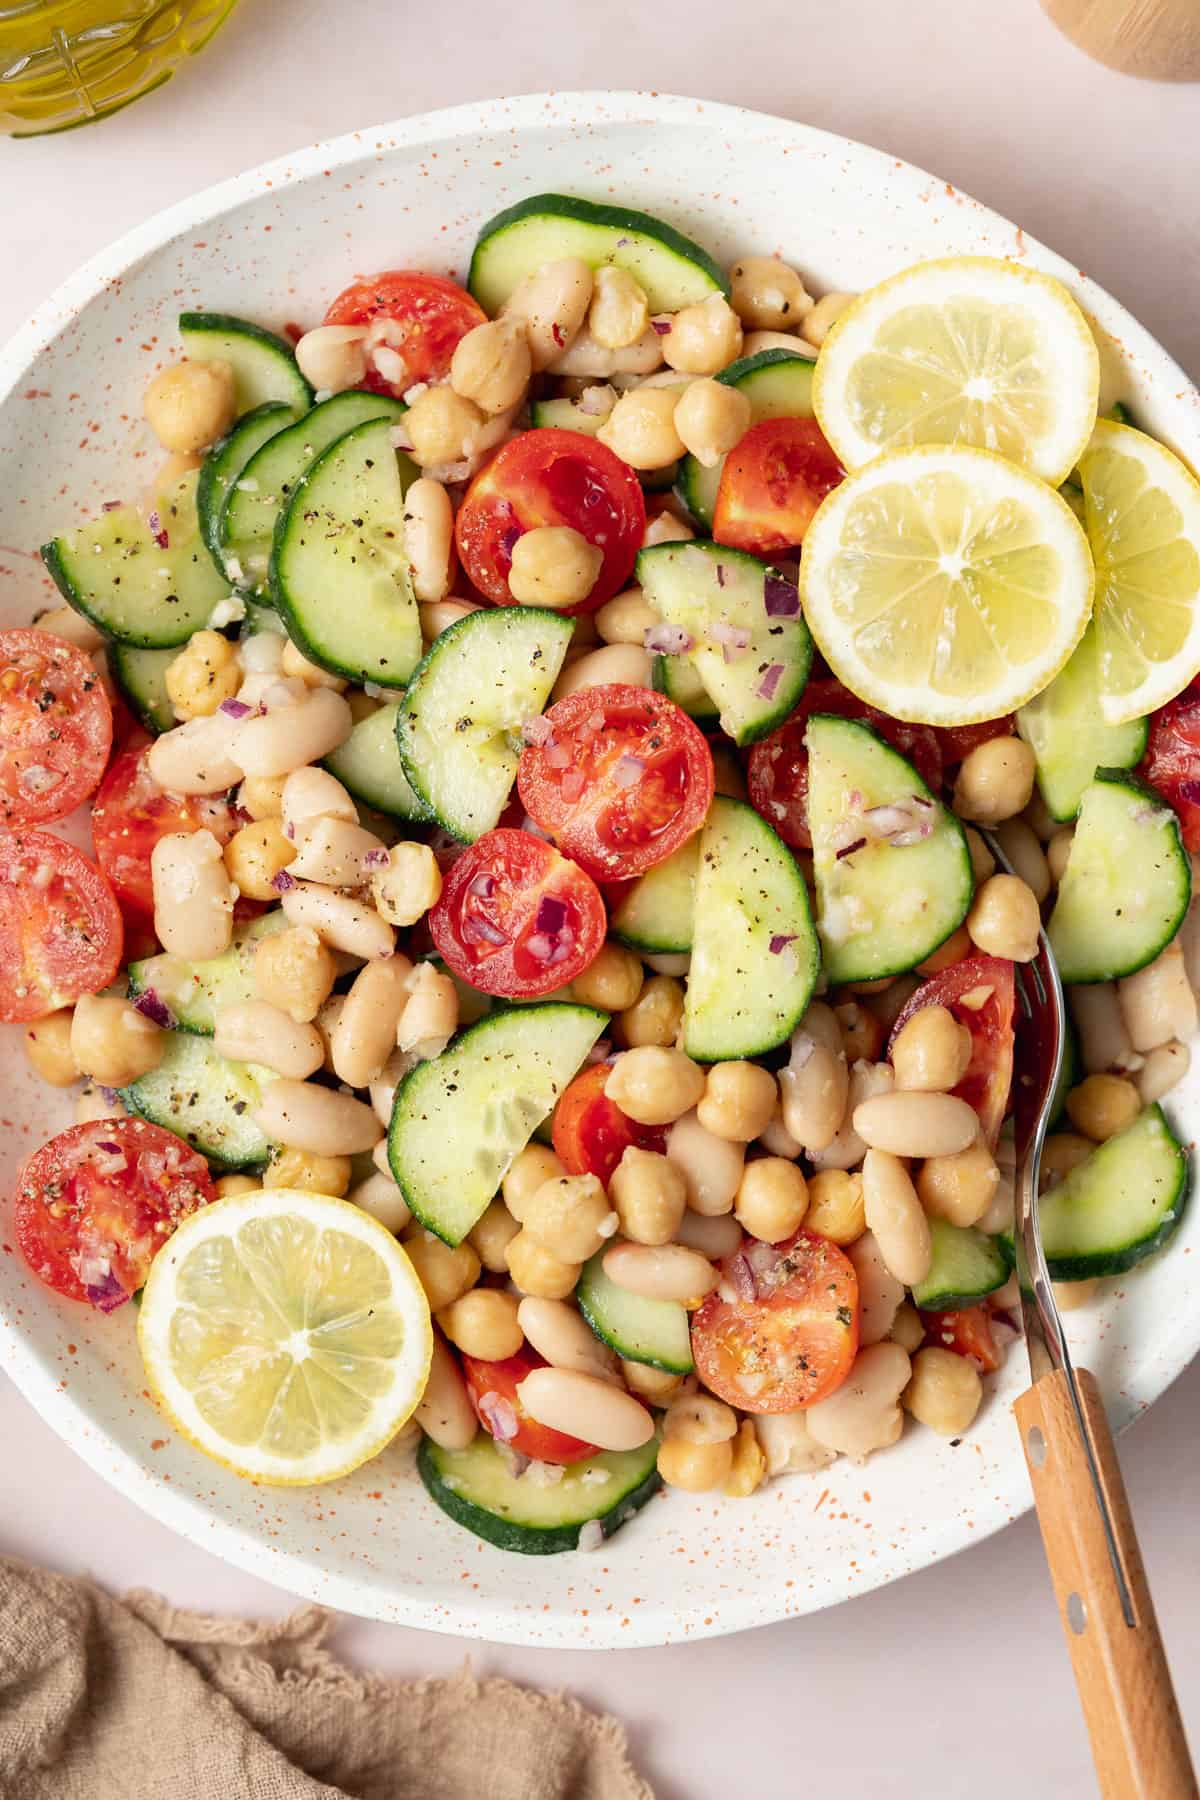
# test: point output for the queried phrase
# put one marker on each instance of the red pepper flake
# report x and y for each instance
(556, 330)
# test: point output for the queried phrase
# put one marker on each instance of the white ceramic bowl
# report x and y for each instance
(275, 244)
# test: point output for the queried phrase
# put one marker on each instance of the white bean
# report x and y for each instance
(814, 1086)
(311, 794)
(365, 1033)
(195, 758)
(438, 615)
(1165, 1068)
(847, 1149)
(558, 1332)
(864, 1413)
(910, 1123)
(896, 1217)
(880, 1294)
(1157, 1004)
(444, 1411)
(755, 341)
(615, 662)
(304, 1116)
(255, 1031)
(1019, 842)
(1189, 931)
(339, 921)
(788, 1445)
(383, 1089)
(65, 622)
(586, 1407)
(289, 736)
(712, 1166)
(428, 534)
(660, 1272)
(1103, 1038)
(379, 1196)
(715, 1235)
(193, 896)
(553, 301)
(334, 853)
(586, 357)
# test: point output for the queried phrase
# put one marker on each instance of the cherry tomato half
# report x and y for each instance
(97, 1203)
(1172, 760)
(789, 1337)
(56, 727)
(772, 483)
(591, 1134)
(60, 926)
(515, 918)
(620, 777)
(968, 1332)
(777, 769)
(551, 477)
(493, 1390)
(422, 319)
(980, 993)
(130, 815)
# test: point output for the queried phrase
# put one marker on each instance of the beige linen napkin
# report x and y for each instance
(104, 1699)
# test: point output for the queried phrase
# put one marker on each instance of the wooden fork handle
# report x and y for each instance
(1121, 1670)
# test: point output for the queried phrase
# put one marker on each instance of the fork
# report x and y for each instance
(1091, 1545)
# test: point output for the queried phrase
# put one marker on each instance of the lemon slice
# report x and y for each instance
(970, 350)
(285, 1334)
(945, 585)
(1142, 516)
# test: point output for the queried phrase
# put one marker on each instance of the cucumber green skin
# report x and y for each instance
(596, 1294)
(287, 383)
(943, 1289)
(620, 221)
(225, 462)
(697, 485)
(234, 970)
(383, 785)
(675, 677)
(207, 1132)
(140, 676)
(1064, 729)
(434, 1464)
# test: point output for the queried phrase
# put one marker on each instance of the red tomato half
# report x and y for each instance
(60, 926)
(56, 727)
(968, 1332)
(789, 1338)
(979, 992)
(772, 483)
(515, 918)
(130, 815)
(619, 776)
(493, 1390)
(777, 769)
(551, 477)
(422, 317)
(1172, 760)
(591, 1134)
(97, 1203)
(958, 741)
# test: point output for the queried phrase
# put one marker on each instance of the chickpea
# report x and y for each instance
(483, 1323)
(890, 1001)
(1058, 851)
(262, 796)
(254, 856)
(655, 1016)
(767, 295)
(1040, 819)
(333, 357)
(944, 1390)
(528, 1171)
(569, 1215)
(205, 673)
(1102, 1105)
(820, 321)
(552, 303)
(650, 1196)
(1061, 1153)
(788, 1446)
(553, 565)
(112, 1041)
(1004, 919)
(409, 886)
(311, 1172)
(710, 417)
(772, 1199)
(700, 1418)
(704, 337)
(956, 946)
(654, 1385)
(491, 1235)
(537, 1271)
(655, 1086)
(862, 1034)
(932, 1051)
(295, 971)
(836, 1208)
(640, 429)
(229, 1185)
(48, 1048)
(908, 1327)
(666, 528)
(749, 1464)
(626, 618)
(612, 981)
(959, 1187)
(440, 426)
(738, 1101)
(191, 404)
(618, 314)
(695, 1467)
(1072, 1295)
(995, 781)
(445, 1273)
(983, 863)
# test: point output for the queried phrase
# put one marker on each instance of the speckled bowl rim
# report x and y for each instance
(480, 1616)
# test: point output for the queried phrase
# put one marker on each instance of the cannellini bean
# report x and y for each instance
(558, 1332)
(895, 1216)
(815, 1084)
(788, 1445)
(1157, 1004)
(587, 1407)
(430, 1015)
(334, 852)
(1104, 1041)
(365, 1033)
(553, 302)
(864, 1413)
(307, 1117)
(848, 1148)
(312, 794)
(755, 341)
(379, 1196)
(65, 622)
(586, 357)
(193, 897)
(289, 736)
(701, 1419)
(627, 663)
(1189, 931)
(339, 921)
(711, 1166)
(438, 615)
(715, 1236)
(428, 534)
(1020, 844)
(255, 1031)
(195, 758)
(916, 1124)
(333, 357)
(382, 1090)
(660, 1272)
(1165, 1068)
(880, 1294)
(444, 1411)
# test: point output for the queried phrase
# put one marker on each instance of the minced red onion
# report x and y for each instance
(507, 541)
(628, 771)
(573, 784)
(597, 402)
(482, 931)
(557, 755)
(850, 849)
(282, 882)
(106, 1295)
(600, 1051)
(781, 598)
(741, 1277)
(591, 1535)
(107, 1144)
(733, 639)
(667, 640)
(483, 886)
(499, 1415)
(157, 530)
(537, 730)
(376, 859)
(152, 1006)
(770, 681)
(38, 779)
(235, 709)
(110, 506)
(780, 941)
(661, 326)
(551, 914)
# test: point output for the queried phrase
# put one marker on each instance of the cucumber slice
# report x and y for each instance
(884, 906)
(131, 587)
(459, 1119)
(644, 1331)
(1120, 1205)
(339, 576)
(459, 724)
(264, 367)
(194, 992)
(566, 415)
(269, 478)
(1064, 729)
(672, 271)
(141, 678)
(701, 585)
(226, 461)
(368, 765)
(676, 677)
(206, 1100)
(1127, 882)
(658, 912)
(778, 385)
(743, 998)
(478, 1489)
(967, 1265)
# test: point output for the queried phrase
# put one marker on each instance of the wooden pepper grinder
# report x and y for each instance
(1156, 39)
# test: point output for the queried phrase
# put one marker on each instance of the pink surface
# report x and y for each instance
(1097, 167)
